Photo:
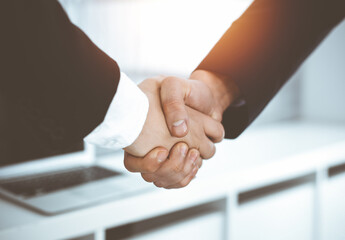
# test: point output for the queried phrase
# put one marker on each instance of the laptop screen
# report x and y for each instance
(12, 159)
(21, 141)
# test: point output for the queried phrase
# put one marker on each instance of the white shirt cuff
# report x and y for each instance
(125, 117)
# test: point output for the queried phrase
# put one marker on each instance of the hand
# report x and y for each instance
(181, 166)
(175, 171)
(210, 94)
(155, 133)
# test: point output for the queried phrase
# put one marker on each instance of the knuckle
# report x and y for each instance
(220, 132)
(210, 153)
(187, 169)
(167, 81)
(128, 165)
(184, 183)
(213, 151)
(158, 184)
(150, 168)
(177, 168)
(173, 105)
(147, 177)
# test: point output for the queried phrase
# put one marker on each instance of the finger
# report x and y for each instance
(186, 180)
(173, 92)
(174, 178)
(199, 162)
(172, 170)
(164, 174)
(190, 163)
(207, 148)
(213, 129)
(149, 177)
(193, 159)
(148, 164)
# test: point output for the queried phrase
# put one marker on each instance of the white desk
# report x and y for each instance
(233, 189)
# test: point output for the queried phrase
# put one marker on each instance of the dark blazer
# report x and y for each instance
(55, 84)
(265, 46)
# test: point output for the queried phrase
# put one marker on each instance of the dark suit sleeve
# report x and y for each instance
(56, 85)
(265, 46)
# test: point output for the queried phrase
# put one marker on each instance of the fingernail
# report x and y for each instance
(184, 150)
(195, 170)
(181, 124)
(178, 123)
(193, 156)
(161, 156)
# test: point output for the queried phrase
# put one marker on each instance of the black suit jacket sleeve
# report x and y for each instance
(265, 46)
(55, 84)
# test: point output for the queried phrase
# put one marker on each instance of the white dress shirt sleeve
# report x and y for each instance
(124, 119)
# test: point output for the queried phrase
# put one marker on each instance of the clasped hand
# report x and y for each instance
(182, 125)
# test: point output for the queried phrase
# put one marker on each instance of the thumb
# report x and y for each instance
(176, 93)
(172, 93)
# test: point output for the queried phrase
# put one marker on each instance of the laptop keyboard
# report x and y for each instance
(31, 186)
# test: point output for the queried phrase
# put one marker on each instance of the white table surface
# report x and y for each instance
(259, 157)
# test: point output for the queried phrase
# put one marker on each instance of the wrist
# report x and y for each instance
(224, 90)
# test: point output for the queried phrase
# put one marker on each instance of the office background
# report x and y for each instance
(171, 37)
(264, 198)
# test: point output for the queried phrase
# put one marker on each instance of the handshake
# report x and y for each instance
(182, 125)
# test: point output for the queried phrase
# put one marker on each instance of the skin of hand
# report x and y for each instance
(174, 171)
(209, 93)
(155, 132)
(177, 168)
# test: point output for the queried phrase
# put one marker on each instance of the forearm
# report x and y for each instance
(265, 46)
(57, 83)
(76, 79)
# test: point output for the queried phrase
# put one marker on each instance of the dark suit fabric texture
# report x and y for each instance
(55, 84)
(265, 46)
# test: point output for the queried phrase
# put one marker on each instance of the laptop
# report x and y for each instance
(57, 184)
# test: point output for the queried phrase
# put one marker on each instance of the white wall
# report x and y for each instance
(323, 85)
(285, 105)
(317, 91)
(171, 37)
(148, 37)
